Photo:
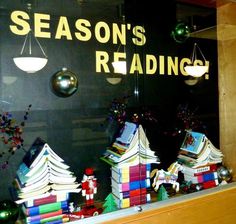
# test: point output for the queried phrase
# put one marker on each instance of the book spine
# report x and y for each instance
(132, 201)
(210, 184)
(140, 199)
(42, 201)
(41, 209)
(124, 178)
(137, 169)
(43, 216)
(201, 178)
(137, 177)
(52, 219)
(199, 170)
(129, 194)
(139, 184)
(121, 187)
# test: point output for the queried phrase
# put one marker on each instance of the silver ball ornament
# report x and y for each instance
(224, 174)
(64, 83)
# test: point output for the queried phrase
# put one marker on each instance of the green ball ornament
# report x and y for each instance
(9, 212)
(181, 32)
(64, 83)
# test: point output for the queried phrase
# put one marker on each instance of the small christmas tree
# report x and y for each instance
(109, 205)
(162, 194)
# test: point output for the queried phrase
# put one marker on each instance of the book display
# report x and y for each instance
(130, 158)
(43, 183)
(200, 159)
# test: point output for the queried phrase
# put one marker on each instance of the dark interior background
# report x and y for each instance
(77, 127)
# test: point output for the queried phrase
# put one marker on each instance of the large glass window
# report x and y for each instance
(80, 40)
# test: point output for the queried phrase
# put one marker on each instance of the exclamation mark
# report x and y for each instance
(207, 73)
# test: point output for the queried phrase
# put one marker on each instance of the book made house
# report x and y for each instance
(130, 158)
(200, 159)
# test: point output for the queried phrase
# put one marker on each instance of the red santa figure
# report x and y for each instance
(89, 186)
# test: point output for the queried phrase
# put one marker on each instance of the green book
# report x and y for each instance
(41, 209)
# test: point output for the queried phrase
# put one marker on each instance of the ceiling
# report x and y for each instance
(199, 14)
(203, 17)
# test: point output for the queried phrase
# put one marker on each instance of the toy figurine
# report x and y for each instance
(89, 186)
(167, 177)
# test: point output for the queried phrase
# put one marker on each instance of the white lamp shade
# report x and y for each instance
(114, 80)
(196, 70)
(30, 64)
(120, 67)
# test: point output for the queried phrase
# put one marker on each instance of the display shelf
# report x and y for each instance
(215, 205)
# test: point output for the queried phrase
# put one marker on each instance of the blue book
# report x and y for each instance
(121, 187)
(127, 133)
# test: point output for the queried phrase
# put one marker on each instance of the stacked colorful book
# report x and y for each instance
(130, 185)
(43, 183)
(44, 212)
(130, 158)
(200, 159)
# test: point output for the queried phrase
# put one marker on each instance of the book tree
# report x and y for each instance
(43, 182)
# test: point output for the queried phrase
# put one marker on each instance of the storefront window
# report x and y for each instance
(79, 103)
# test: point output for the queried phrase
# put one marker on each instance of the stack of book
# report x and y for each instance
(51, 213)
(43, 183)
(130, 157)
(200, 159)
(130, 185)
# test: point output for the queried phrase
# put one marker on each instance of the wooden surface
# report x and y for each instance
(215, 208)
(211, 206)
(226, 34)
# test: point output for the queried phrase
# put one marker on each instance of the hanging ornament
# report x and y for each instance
(224, 174)
(64, 83)
(181, 32)
(9, 212)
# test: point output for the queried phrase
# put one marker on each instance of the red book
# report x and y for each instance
(210, 184)
(129, 194)
(139, 199)
(141, 191)
(46, 200)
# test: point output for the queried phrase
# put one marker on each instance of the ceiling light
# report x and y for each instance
(195, 69)
(27, 61)
(119, 67)
(114, 80)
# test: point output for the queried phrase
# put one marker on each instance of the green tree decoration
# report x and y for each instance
(162, 194)
(109, 205)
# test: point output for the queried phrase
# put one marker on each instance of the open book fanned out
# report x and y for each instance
(197, 150)
(41, 171)
(130, 148)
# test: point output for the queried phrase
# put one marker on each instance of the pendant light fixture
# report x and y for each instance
(195, 69)
(28, 61)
